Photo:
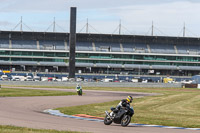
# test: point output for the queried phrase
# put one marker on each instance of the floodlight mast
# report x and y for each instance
(184, 30)
(72, 42)
(21, 29)
(152, 29)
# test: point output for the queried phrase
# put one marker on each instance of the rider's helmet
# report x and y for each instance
(129, 99)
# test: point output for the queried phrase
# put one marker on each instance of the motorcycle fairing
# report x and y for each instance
(119, 116)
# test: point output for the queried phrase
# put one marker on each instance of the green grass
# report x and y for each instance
(37, 86)
(13, 92)
(13, 129)
(175, 107)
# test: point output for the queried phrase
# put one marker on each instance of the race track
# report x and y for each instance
(28, 112)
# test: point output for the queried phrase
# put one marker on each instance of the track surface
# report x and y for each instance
(27, 112)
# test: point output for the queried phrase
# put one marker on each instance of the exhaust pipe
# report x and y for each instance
(108, 114)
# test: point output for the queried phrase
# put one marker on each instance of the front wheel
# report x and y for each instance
(107, 120)
(125, 120)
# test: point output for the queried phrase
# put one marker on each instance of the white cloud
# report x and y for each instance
(168, 17)
(104, 15)
(60, 5)
(33, 6)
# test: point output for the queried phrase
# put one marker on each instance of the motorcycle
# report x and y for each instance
(79, 92)
(122, 116)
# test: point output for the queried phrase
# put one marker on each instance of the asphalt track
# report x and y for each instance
(28, 112)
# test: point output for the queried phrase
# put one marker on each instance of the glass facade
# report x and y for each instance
(174, 60)
(95, 52)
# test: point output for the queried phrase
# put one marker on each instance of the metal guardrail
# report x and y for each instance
(93, 84)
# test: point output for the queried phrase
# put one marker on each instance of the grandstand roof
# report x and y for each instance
(98, 37)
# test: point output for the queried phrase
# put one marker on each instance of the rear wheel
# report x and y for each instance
(107, 120)
(81, 92)
(125, 120)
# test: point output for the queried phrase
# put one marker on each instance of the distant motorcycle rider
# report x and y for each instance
(78, 87)
(122, 104)
(79, 90)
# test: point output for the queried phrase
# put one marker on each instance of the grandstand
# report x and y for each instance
(100, 53)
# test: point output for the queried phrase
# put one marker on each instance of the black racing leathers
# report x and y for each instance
(122, 103)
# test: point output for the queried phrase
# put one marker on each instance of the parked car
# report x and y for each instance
(15, 78)
(50, 79)
(144, 81)
(79, 79)
(116, 80)
(36, 78)
(135, 80)
(168, 80)
(64, 79)
(187, 81)
(29, 78)
(107, 80)
(57, 79)
(44, 78)
(4, 77)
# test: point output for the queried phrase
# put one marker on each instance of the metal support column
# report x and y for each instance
(72, 42)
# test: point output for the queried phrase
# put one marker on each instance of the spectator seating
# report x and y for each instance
(24, 44)
(4, 43)
(51, 45)
(84, 46)
(162, 48)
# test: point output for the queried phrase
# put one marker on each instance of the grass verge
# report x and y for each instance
(13, 129)
(12, 92)
(176, 107)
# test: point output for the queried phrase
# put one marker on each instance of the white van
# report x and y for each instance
(36, 78)
(65, 79)
(29, 78)
(4, 77)
(107, 80)
(134, 80)
(44, 78)
(15, 78)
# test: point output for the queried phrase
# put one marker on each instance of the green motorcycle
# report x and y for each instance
(79, 92)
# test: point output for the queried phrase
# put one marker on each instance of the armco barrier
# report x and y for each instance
(93, 84)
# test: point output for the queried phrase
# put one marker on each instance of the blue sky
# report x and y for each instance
(136, 16)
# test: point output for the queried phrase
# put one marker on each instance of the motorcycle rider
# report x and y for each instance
(123, 103)
(78, 88)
